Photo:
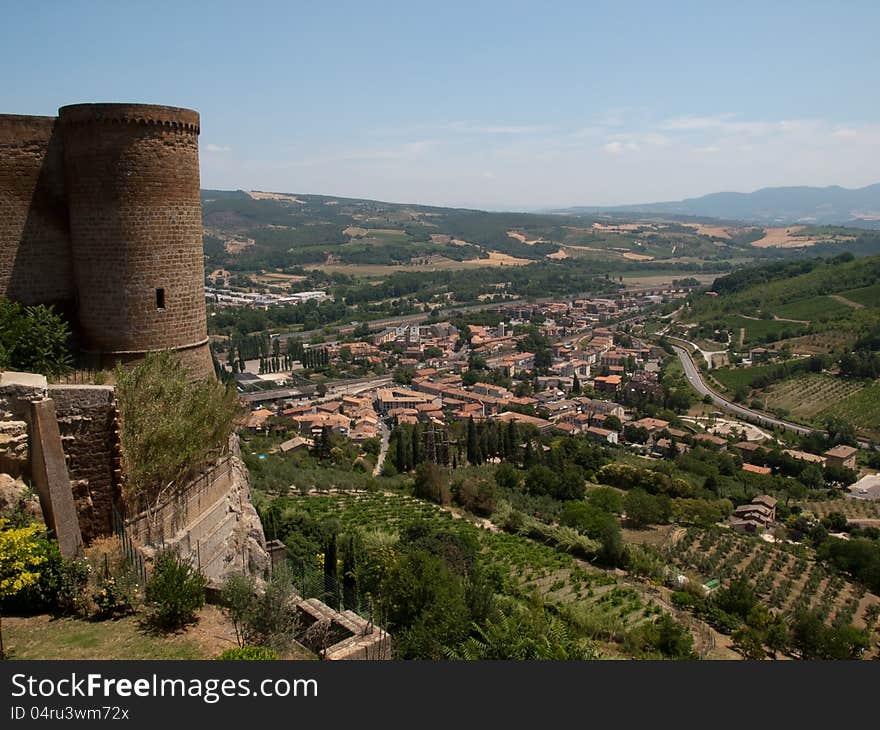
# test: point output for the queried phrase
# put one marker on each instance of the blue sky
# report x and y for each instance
(486, 104)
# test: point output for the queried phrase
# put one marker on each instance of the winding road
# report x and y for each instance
(695, 378)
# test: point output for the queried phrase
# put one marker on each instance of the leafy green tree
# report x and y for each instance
(424, 605)
(594, 522)
(606, 498)
(612, 423)
(644, 509)
(431, 483)
(477, 495)
(507, 476)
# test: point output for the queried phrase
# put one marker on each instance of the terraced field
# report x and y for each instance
(785, 578)
(597, 597)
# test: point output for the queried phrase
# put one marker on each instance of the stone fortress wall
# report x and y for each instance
(100, 214)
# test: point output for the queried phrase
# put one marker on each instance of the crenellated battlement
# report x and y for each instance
(171, 117)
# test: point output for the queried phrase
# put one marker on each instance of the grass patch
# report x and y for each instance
(814, 309)
(42, 637)
(733, 378)
(764, 330)
(869, 296)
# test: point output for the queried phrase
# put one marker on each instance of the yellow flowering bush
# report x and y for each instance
(20, 557)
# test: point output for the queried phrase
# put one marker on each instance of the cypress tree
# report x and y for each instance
(330, 556)
(415, 438)
(473, 446)
(400, 452)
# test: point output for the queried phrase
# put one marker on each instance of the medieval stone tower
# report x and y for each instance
(100, 214)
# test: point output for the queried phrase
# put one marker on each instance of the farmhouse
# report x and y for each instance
(756, 516)
(841, 456)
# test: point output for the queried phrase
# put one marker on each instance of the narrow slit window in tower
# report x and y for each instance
(160, 299)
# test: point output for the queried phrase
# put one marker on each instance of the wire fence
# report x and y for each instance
(129, 549)
(311, 582)
(83, 376)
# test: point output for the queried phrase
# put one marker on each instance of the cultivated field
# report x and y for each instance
(809, 396)
(516, 236)
(604, 605)
(852, 509)
(821, 342)
(714, 231)
(659, 280)
(792, 237)
(432, 263)
(861, 408)
(782, 574)
(259, 195)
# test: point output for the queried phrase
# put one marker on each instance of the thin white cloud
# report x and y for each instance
(709, 149)
(722, 123)
(470, 128)
(617, 147)
(217, 148)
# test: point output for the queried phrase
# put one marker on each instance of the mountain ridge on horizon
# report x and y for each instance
(832, 204)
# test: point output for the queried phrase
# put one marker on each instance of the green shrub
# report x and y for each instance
(60, 588)
(249, 653)
(115, 596)
(33, 339)
(261, 619)
(175, 592)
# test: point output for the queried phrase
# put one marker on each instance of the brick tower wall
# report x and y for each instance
(132, 180)
(35, 260)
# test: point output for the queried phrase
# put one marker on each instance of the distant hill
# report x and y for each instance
(766, 304)
(253, 230)
(832, 205)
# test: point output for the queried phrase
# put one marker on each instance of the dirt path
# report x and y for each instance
(383, 449)
(786, 319)
(847, 302)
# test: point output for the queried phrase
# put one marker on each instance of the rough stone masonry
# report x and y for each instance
(100, 214)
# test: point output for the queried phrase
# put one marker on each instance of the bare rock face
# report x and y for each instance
(248, 538)
(15, 495)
